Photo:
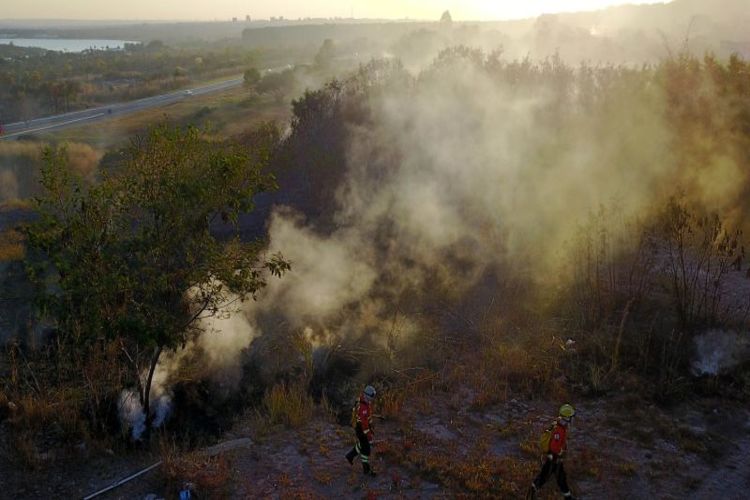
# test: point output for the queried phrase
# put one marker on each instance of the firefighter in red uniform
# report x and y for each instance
(553, 463)
(362, 421)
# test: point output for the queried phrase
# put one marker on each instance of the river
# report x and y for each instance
(65, 44)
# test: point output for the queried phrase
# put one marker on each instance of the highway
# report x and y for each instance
(86, 116)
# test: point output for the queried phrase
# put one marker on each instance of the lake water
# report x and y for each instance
(65, 45)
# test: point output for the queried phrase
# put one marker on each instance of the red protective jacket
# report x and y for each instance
(558, 440)
(364, 415)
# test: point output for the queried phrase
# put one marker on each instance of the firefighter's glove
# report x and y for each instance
(550, 456)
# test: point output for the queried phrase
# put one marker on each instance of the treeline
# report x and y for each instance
(701, 105)
(35, 82)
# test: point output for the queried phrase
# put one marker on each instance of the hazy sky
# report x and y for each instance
(292, 9)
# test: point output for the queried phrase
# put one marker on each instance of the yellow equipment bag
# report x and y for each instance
(545, 438)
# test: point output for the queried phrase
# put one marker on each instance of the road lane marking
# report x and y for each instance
(54, 125)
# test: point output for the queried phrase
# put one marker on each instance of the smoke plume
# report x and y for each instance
(469, 171)
(718, 351)
(460, 173)
(215, 353)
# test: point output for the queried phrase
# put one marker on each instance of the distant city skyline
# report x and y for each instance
(184, 10)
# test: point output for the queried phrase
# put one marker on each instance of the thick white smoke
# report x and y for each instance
(131, 413)
(474, 166)
(214, 354)
(328, 272)
(462, 172)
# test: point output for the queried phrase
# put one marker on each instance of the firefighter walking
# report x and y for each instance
(362, 422)
(554, 443)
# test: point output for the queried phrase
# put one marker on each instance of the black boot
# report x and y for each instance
(350, 456)
(368, 470)
(531, 495)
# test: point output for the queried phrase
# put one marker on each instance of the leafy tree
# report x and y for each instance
(251, 76)
(133, 260)
(279, 83)
(446, 17)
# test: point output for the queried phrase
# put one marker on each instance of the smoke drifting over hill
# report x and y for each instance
(476, 171)
(478, 166)
(436, 186)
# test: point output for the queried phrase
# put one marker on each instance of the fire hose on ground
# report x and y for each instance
(212, 451)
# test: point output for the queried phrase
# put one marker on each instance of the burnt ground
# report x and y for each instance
(443, 446)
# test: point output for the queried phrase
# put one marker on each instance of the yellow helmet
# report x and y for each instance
(567, 411)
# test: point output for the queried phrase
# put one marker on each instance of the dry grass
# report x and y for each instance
(473, 473)
(16, 204)
(288, 404)
(412, 388)
(20, 149)
(37, 421)
(207, 476)
(524, 368)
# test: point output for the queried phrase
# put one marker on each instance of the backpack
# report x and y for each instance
(545, 438)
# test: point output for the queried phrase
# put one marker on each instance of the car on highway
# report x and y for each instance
(188, 92)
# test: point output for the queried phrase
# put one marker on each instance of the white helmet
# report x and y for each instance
(369, 393)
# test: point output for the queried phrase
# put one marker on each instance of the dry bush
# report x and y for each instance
(8, 185)
(638, 291)
(527, 366)
(59, 404)
(288, 404)
(43, 425)
(20, 162)
(700, 251)
(83, 159)
(57, 412)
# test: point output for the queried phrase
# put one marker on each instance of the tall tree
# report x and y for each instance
(133, 260)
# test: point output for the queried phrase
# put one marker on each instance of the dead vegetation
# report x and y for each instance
(620, 316)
